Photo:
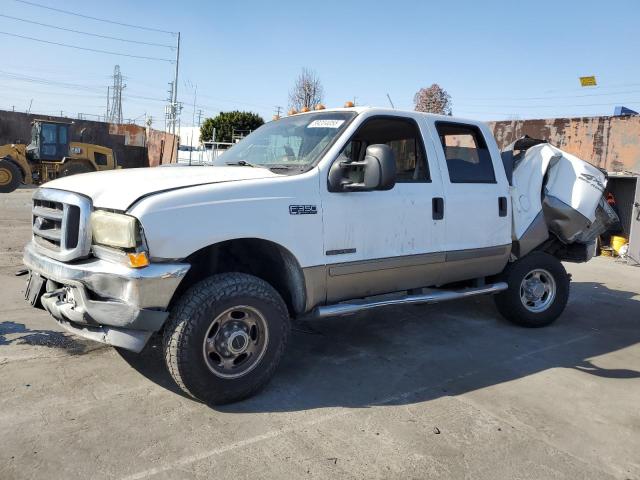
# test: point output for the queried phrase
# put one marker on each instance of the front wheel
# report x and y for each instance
(10, 176)
(538, 290)
(225, 337)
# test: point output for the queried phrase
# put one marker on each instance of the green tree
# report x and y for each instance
(226, 123)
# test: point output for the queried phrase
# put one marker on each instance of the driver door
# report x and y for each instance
(384, 241)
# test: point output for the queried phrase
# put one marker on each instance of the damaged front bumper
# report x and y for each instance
(105, 301)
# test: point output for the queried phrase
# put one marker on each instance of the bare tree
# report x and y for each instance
(307, 92)
(434, 99)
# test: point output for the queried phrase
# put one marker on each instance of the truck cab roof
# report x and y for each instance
(392, 111)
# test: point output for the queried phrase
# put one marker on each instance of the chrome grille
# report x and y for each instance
(61, 224)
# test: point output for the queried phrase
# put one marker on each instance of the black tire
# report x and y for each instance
(189, 326)
(520, 306)
(74, 168)
(10, 176)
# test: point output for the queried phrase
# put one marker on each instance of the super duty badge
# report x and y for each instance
(303, 209)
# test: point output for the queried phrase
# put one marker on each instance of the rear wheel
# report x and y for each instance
(538, 290)
(10, 176)
(225, 337)
(74, 168)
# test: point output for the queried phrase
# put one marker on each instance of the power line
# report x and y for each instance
(44, 81)
(85, 48)
(34, 4)
(87, 33)
(99, 89)
(553, 96)
(621, 102)
(28, 89)
(88, 88)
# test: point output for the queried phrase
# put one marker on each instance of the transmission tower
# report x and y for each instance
(114, 101)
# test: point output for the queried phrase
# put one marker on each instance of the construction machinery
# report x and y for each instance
(50, 155)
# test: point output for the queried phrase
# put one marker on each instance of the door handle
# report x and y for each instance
(502, 206)
(437, 206)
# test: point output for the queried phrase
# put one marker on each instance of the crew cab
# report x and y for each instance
(318, 214)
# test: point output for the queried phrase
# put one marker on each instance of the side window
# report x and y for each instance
(62, 134)
(404, 138)
(100, 159)
(49, 133)
(466, 152)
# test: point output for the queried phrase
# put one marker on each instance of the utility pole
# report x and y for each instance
(193, 121)
(168, 109)
(276, 116)
(175, 86)
(199, 117)
(172, 109)
(195, 97)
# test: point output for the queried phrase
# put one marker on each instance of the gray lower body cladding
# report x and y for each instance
(340, 281)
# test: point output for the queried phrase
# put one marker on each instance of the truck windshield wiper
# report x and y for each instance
(242, 163)
(287, 167)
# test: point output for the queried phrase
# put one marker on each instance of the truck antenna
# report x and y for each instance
(392, 106)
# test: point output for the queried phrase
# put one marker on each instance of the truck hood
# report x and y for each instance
(119, 189)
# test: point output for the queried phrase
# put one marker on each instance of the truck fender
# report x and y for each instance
(259, 257)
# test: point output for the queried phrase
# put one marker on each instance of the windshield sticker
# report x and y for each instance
(325, 124)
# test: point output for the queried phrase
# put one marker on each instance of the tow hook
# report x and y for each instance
(59, 293)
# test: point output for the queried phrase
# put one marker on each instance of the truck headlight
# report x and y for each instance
(114, 229)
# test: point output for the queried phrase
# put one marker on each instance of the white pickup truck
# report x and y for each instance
(325, 213)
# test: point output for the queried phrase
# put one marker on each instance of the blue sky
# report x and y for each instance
(497, 59)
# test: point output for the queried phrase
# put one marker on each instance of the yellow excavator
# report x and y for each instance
(50, 155)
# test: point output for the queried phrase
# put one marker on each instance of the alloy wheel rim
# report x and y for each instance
(537, 290)
(235, 342)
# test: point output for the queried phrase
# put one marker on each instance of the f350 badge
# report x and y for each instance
(303, 209)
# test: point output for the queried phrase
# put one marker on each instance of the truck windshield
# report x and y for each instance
(293, 143)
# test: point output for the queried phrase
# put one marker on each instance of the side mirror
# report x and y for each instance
(377, 171)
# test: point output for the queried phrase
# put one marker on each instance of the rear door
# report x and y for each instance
(477, 208)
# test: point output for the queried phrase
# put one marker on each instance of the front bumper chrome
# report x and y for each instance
(106, 301)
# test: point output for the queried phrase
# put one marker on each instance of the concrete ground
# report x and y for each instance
(449, 391)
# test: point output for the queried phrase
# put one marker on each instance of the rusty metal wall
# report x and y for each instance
(134, 146)
(612, 143)
(134, 135)
(162, 148)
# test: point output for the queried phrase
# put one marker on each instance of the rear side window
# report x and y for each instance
(466, 152)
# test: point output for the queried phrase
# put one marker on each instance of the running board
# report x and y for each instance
(434, 296)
